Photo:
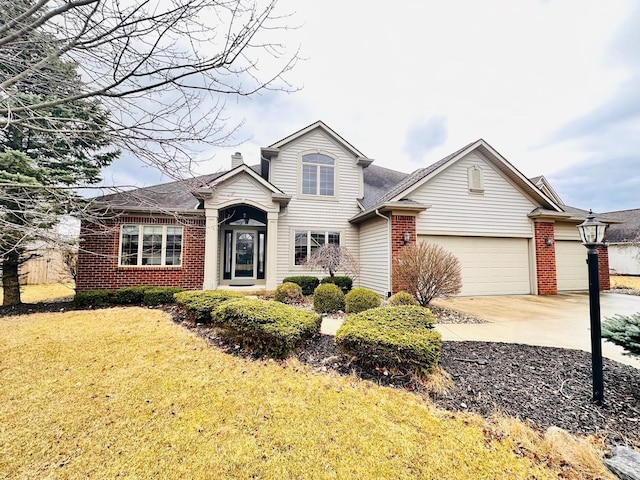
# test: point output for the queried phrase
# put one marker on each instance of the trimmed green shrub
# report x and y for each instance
(402, 298)
(159, 295)
(345, 283)
(200, 303)
(267, 328)
(397, 338)
(623, 330)
(307, 283)
(130, 295)
(361, 299)
(93, 298)
(328, 298)
(288, 293)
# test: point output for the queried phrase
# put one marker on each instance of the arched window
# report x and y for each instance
(318, 174)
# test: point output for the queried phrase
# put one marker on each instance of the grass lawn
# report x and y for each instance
(619, 281)
(44, 293)
(125, 392)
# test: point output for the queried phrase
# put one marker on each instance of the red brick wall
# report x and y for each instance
(399, 225)
(98, 256)
(545, 259)
(603, 268)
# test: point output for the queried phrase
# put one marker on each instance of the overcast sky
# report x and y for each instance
(554, 86)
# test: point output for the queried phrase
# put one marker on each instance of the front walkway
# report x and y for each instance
(552, 320)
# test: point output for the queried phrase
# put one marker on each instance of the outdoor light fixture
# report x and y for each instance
(548, 241)
(592, 234)
(406, 238)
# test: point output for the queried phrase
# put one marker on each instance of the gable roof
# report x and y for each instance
(543, 184)
(362, 159)
(628, 230)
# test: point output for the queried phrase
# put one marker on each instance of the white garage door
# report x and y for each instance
(490, 266)
(571, 266)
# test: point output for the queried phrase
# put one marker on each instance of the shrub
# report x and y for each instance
(130, 295)
(623, 331)
(328, 298)
(93, 298)
(361, 299)
(400, 338)
(159, 295)
(288, 293)
(267, 328)
(200, 303)
(427, 271)
(307, 283)
(343, 282)
(402, 298)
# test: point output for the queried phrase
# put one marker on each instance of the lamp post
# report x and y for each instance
(592, 234)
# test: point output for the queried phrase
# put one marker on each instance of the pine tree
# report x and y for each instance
(623, 330)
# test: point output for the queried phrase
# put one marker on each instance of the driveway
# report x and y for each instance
(551, 320)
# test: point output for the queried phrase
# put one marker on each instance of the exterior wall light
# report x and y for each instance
(548, 241)
(406, 238)
(592, 234)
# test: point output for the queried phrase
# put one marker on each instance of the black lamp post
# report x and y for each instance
(592, 234)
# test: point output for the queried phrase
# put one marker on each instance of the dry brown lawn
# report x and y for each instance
(44, 293)
(125, 392)
(618, 281)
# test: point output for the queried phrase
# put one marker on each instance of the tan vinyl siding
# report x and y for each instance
(374, 255)
(242, 188)
(500, 211)
(311, 212)
(566, 231)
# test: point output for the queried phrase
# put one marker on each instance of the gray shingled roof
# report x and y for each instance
(378, 181)
(628, 230)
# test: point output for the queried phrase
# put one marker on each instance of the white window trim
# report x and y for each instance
(309, 231)
(335, 176)
(140, 245)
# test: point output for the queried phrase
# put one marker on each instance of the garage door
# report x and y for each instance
(571, 266)
(490, 266)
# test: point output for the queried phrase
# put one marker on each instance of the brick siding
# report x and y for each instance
(399, 225)
(603, 268)
(98, 256)
(545, 259)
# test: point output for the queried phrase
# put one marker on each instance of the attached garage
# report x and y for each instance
(490, 266)
(571, 266)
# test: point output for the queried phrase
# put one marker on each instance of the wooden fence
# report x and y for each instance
(49, 267)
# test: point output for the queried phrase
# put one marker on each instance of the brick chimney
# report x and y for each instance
(236, 160)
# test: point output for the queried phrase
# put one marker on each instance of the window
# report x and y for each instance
(306, 242)
(150, 245)
(476, 179)
(318, 174)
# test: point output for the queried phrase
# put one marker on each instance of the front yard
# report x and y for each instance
(126, 392)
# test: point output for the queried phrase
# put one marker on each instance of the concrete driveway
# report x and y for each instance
(551, 320)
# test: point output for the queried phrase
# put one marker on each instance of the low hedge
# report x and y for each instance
(399, 338)
(345, 283)
(361, 299)
(328, 298)
(130, 295)
(288, 293)
(94, 298)
(268, 328)
(200, 303)
(307, 283)
(159, 295)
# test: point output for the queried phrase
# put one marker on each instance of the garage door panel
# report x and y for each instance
(490, 266)
(571, 267)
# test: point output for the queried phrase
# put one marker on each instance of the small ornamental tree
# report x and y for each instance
(427, 271)
(333, 258)
(624, 331)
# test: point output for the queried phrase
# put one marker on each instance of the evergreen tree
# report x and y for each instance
(624, 331)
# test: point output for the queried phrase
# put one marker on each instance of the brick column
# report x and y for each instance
(399, 225)
(545, 259)
(603, 268)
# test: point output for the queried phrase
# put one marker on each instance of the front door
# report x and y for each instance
(244, 254)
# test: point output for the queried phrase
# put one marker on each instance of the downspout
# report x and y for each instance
(388, 251)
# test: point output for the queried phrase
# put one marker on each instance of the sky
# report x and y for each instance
(552, 85)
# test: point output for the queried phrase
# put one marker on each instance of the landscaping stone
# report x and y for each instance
(624, 462)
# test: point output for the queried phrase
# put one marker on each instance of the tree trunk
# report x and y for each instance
(10, 280)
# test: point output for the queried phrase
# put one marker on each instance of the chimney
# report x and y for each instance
(236, 160)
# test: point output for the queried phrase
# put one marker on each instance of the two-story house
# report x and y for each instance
(255, 225)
